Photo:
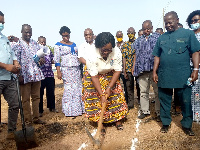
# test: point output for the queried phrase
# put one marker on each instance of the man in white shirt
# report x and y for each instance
(85, 50)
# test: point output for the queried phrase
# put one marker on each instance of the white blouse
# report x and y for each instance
(97, 65)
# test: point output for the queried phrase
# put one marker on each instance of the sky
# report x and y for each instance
(46, 17)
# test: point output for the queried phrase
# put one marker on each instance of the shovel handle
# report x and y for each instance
(101, 118)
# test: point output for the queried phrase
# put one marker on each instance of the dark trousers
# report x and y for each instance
(9, 90)
(125, 89)
(49, 84)
(165, 97)
(176, 99)
(130, 89)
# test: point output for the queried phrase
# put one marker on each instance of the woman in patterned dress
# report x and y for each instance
(67, 66)
(193, 22)
(101, 79)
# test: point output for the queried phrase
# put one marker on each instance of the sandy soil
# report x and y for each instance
(64, 133)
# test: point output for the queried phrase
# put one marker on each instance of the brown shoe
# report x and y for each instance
(10, 136)
(38, 121)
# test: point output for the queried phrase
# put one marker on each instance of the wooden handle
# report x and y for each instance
(101, 118)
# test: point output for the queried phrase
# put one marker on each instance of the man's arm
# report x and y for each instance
(195, 60)
(82, 60)
(155, 68)
(9, 67)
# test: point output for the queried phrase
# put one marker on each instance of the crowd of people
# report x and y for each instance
(169, 62)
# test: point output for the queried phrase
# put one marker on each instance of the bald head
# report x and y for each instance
(88, 30)
(131, 34)
(119, 34)
(171, 14)
(171, 21)
(147, 22)
(25, 26)
(131, 30)
(147, 27)
(26, 32)
(88, 34)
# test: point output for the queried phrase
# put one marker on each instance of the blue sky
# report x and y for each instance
(47, 16)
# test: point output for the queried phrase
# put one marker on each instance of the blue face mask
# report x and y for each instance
(1, 27)
(195, 26)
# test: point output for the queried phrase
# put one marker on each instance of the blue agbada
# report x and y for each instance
(143, 50)
(175, 49)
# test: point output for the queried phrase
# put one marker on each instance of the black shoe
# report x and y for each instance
(164, 128)
(152, 101)
(142, 116)
(188, 131)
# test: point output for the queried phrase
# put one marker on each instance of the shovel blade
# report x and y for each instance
(25, 140)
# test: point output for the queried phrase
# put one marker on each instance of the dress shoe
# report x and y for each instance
(165, 128)
(188, 131)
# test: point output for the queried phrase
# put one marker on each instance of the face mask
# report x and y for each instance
(1, 27)
(131, 36)
(119, 39)
(195, 26)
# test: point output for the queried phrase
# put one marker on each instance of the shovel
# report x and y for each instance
(97, 143)
(24, 138)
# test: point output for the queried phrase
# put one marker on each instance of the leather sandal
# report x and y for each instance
(119, 127)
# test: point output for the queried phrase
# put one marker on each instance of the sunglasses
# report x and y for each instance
(195, 20)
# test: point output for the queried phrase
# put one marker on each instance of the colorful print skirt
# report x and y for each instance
(116, 108)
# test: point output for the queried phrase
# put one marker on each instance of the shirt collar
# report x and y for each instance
(25, 42)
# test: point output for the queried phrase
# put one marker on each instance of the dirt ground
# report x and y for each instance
(64, 133)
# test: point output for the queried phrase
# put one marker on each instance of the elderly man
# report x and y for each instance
(85, 49)
(30, 76)
(8, 65)
(143, 68)
(172, 63)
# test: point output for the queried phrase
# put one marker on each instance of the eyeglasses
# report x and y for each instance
(106, 50)
(66, 35)
(195, 20)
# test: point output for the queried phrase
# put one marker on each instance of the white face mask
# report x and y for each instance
(195, 26)
(1, 27)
